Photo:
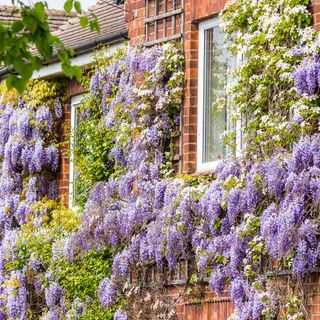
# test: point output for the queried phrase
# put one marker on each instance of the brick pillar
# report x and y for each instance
(63, 176)
(313, 287)
(189, 118)
(134, 18)
(195, 10)
(316, 14)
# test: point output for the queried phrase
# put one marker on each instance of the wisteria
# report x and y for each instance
(120, 316)
(230, 227)
(307, 76)
(29, 161)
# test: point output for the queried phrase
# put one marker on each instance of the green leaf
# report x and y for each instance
(77, 71)
(24, 69)
(77, 6)
(63, 56)
(17, 26)
(94, 24)
(84, 21)
(39, 6)
(71, 71)
(71, 52)
(68, 6)
(13, 81)
(29, 22)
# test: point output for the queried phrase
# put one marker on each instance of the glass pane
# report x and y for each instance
(217, 64)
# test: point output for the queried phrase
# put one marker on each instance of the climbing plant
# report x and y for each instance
(259, 208)
(37, 282)
(256, 211)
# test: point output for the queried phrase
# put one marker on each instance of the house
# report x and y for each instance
(113, 34)
(195, 24)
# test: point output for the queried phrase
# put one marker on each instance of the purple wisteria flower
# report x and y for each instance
(307, 76)
(226, 224)
(58, 108)
(119, 315)
(53, 295)
(108, 290)
(44, 117)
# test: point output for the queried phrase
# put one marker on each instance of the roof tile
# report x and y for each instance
(111, 21)
(56, 18)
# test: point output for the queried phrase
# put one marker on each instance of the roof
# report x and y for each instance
(56, 18)
(111, 21)
(112, 28)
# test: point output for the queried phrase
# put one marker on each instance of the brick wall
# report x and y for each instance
(135, 19)
(135, 14)
(194, 11)
(64, 168)
(312, 287)
(210, 307)
(316, 14)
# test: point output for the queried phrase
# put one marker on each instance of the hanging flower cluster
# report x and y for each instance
(29, 162)
(253, 211)
(232, 225)
(307, 77)
(261, 208)
(230, 228)
(140, 93)
(36, 282)
(141, 111)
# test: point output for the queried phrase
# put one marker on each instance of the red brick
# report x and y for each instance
(316, 18)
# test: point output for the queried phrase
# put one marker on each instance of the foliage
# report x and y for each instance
(30, 34)
(261, 207)
(78, 279)
(138, 94)
(109, 115)
(269, 35)
(92, 140)
(36, 280)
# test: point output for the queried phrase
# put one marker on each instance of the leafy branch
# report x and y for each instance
(28, 41)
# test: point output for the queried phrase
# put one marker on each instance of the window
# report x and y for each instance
(75, 102)
(215, 63)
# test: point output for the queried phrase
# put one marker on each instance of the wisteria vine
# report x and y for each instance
(254, 211)
(259, 210)
(29, 159)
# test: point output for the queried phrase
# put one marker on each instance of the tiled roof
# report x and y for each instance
(111, 21)
(56, 18)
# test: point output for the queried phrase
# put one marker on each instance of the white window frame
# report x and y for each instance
(208, 166)
(75, 101)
